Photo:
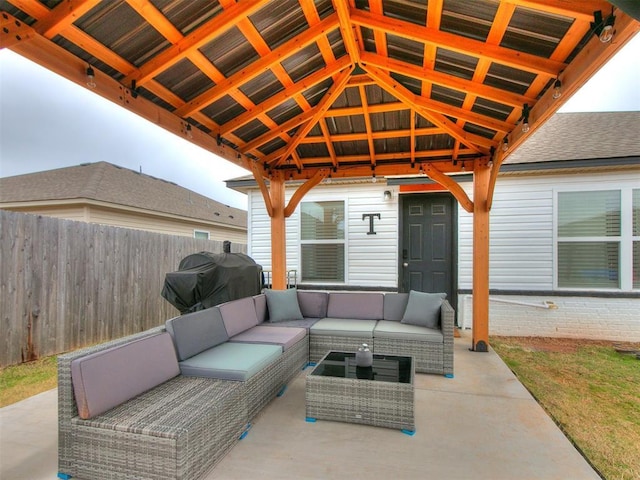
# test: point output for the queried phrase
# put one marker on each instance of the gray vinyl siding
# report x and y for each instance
(371, 260)
(522, 235)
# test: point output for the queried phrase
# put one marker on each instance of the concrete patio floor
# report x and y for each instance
(482, 424)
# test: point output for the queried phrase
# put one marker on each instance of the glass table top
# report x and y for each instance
(385, 368)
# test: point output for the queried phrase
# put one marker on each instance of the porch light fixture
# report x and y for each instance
(91, 77)
(373, 178)
(505, 144)
(189, 132)
(557, 89)
(603, 27)
(387, 195)
(525, 118)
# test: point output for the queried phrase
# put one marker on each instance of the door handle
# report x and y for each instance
(405, 264)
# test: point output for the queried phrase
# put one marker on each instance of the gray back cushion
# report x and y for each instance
(313, 304)
(283, 305)
(395, 305)
(106, 379)
(423, 309)
(260, 302)
(356, 305)
(197, 331)
(239, 315)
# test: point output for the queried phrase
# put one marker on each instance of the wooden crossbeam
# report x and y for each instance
(330, 96)
(260, 66)
(457, 43)
(281, 97)
(196, 39)
(449, 81)
(423, 107)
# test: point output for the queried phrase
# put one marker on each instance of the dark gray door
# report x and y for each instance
(427, 248)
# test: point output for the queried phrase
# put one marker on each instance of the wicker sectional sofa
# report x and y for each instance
(170, 402)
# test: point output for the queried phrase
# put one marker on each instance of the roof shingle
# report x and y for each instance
(105, 182)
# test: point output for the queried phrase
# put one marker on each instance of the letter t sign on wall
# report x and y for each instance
(371, 216)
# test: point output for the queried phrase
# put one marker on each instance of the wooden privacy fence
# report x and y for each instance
(67, 284)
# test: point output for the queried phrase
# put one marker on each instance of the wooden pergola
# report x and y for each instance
(303, 90)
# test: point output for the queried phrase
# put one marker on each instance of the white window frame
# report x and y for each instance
(342, 241)
(196, 232)
(625, 239)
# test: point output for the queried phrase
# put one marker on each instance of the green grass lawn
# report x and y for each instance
(593, 394)
(18, 382)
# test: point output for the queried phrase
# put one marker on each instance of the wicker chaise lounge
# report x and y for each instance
(166, 432)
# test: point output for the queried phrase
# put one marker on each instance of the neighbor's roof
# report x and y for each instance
(105, 182)
(301, 87)
(582, 136)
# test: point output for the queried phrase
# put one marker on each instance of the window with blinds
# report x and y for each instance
(322, 235)
(589, 239)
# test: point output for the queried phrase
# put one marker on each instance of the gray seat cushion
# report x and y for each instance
(403, 331)
(286, 337)
(196, 332)
(343, 327)
(305, 323)
(356, 305)
(231, 361)
(106, 379)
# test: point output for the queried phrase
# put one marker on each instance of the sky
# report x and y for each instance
(48, 122)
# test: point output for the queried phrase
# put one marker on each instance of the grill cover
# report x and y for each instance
(207, 279)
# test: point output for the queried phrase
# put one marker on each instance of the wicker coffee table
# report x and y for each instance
(381, 395)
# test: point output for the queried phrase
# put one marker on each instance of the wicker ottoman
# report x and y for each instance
(381, 395)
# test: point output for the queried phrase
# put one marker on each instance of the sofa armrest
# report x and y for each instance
(447, 320)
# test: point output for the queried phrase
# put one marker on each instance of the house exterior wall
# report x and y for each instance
(522, 254)
(371, 260)
(137, 220)
(523, 258)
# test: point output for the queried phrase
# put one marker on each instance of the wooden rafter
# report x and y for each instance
(422, 106)
(196, 39)
(472, 87)
(259, 66)
(281, 97)
(318, 112)
(456, 43)
(339, 35)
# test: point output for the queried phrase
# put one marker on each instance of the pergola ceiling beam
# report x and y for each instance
(196, 39)
(422, 106)
(330, 96)
(377, 135)
(281, 97)
(63, 15)
(582, 10)
(260, 66)
(457, 43)
(448, 81)
(346, 29)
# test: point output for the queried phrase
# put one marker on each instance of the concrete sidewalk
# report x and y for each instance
(482, 424)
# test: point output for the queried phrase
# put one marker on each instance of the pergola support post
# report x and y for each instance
(481, 181)
(278, 234)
